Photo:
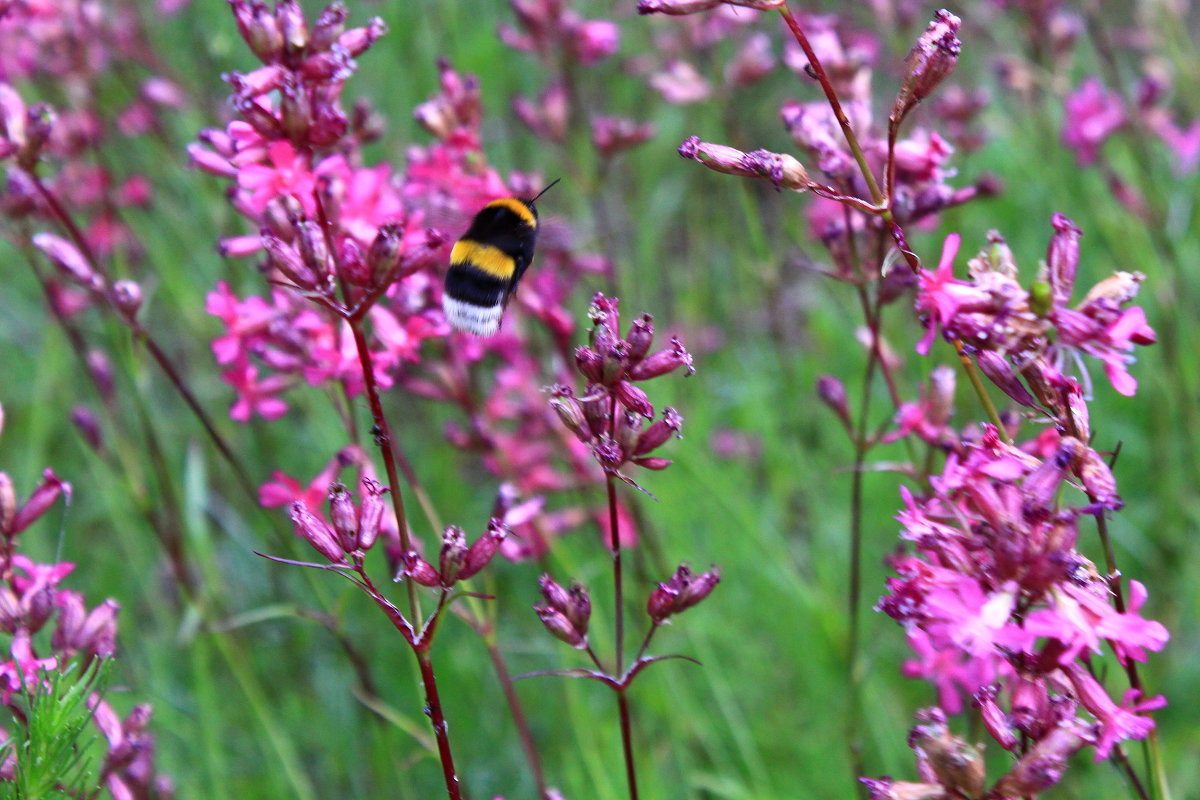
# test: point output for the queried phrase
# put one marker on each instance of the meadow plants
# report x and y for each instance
(327, 306)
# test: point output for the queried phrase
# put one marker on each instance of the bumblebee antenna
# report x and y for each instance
(543, 191)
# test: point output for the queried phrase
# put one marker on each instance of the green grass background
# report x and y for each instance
(252, 699)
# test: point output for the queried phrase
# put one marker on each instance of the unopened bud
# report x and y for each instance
(292, 24)
(589, 363)
(641, 336)
(929, 63)
(262, 33)
(353, 264)
(1062, 259)
(833, 394)
(570, 412)
(453, 555)
(8, 503)
(69, 260)
(370, 516)
(88, 426)
(481, 552)
(385, 252)
(330, 25)
(560, 627)
(663, 362)
(1000, 372)
(994, 719)
(658, 433)
(127, 297)
(418, 569)
(344, 517)
(313, 529)
(781, 169)
(634, 399)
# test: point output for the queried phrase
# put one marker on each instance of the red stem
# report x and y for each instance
(434, 704)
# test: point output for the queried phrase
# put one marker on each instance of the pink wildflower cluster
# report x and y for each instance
(1034, 331)
(1093, 113)
(998, 602)
(49, 627)
(565, 42)
(55, 173)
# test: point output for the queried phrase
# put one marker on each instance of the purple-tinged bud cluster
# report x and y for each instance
(683, 590)
(457, 561)
(610, 416)
(566, 611)
(350, 531)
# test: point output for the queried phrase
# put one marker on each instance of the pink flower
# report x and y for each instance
(1117, 722)
(255, 396)
(940, 294)
(287, 174)
(594, 40)
(1112, 343)
(284, 490)
(1091, 114)
(242, 319)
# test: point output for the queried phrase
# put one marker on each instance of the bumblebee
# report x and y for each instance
(487, 263)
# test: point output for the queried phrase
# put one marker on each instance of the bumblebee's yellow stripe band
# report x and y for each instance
(517, 207)
(484, 257)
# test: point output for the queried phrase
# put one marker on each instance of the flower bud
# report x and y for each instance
(69, 261)
(560, 626)
(292, 24)
(370, 515)
(453, 556)
(353, 263)
(415, 568)
(1000, 372)
(43, 497)
(1097, 479)
(653, 463)
(8, 504)
(127, 297)
(310, 241)
(994, 719)
(634, 399)
(658, 433)
(595, 407)
(681, 592)
(662, 362)
(589, 363)
(88, 426)
(570, 412)
(344, 517)
(329, 26)
(833, 394)
(317, 533)
(628, 428)
(385, 252)
(640, 337)
(781, 169)
(929, 63)
(262, 32)
(1062, 259)
(481, 552)
(287, 260)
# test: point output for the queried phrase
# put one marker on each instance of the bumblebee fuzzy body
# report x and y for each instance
(487, 263)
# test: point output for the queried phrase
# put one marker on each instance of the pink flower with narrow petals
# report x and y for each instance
(940, 294)
(1091, 114)
(255, 396)
(288, 173)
